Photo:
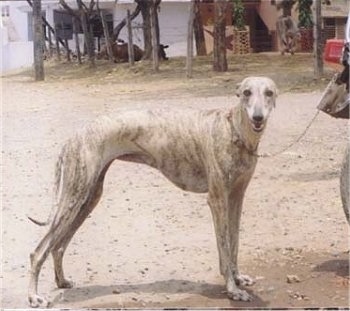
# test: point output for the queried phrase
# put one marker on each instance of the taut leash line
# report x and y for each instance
(269, 155)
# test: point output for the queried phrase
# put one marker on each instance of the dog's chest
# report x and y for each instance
(181, 162)
(233, 161)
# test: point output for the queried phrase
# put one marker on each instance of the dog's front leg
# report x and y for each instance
(234, 218)
(226, 209)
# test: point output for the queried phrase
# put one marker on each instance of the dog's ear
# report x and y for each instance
(274, 88)
(277, 92)
(238, 89)
(275, 96)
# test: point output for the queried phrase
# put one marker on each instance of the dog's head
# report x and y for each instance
(257, 97)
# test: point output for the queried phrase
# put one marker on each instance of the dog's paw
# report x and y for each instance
(244, 280)
(239, 295)
(65, 284)
(36, 301)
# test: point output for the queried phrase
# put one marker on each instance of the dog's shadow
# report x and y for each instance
(338, 266)
(209, 291)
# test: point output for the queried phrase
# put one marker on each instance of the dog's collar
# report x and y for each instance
(239, 142)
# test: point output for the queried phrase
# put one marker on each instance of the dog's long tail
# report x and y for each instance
(38, 222)
(58, 184)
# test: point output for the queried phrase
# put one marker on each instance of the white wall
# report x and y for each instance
(16, 55)
(19, 17)
(16, 51)
(173, 17)
(173, 20)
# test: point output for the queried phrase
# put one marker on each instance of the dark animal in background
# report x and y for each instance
(161, 52)
(121, 53)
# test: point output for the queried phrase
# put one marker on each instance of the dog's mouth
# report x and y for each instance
(257, 126)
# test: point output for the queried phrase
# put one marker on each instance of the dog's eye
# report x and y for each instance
(268, 93)
(247, 93)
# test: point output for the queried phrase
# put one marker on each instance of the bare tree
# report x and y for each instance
(189, 58)
(198, 30)
(38, 41)
(145, 7)
(318, 64)
(105, 32)
(220, 60)
(130, 40)
(84, 13)
(122, 24)
(51, 30)
(76, 38)
(154, 37)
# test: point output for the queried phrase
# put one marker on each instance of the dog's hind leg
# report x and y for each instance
(56, 241)
(56, 234)
(37, 259)
(60, 247)
(77, 197)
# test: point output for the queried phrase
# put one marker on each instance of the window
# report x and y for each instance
(5, 11)
(329, 28)
(63, 24)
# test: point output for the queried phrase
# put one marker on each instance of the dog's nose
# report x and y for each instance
(258, 117)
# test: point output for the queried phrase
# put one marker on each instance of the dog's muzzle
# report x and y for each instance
(258, 123)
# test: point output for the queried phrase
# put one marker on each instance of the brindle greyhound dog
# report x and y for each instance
(212, 152)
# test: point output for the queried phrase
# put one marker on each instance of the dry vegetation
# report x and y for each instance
(292, 73)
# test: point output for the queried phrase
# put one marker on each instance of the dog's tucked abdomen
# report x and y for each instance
(169, 145)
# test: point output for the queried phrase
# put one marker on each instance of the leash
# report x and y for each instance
(270, 155)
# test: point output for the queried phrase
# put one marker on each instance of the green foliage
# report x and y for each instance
(238, 14)
(305, 13)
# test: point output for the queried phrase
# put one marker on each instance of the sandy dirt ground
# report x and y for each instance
(149, 244)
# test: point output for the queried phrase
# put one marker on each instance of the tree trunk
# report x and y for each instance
(145, 6)
(68, 50)
(58, 51)
(147, 37)
(38, 41)
(75, 31)
(50, 44)
(189, 58)
(84, 14)
(198, 31)
(106, 34)
(318, 65)
(88, 38)
(156, 19)
(130, 41)
(220, 61)
(155, 37)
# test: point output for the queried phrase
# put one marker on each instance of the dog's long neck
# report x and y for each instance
(248, 137)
